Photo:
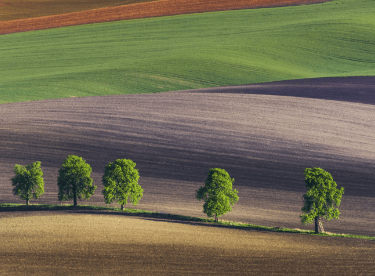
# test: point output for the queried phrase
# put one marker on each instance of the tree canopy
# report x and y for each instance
(74, 179)
(217, 193)
(28, 181)
(322, 198)
(120, 181)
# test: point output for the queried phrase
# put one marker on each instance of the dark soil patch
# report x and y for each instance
(347, 89)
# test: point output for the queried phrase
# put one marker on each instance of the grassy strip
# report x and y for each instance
(35, 207)
(190, 51)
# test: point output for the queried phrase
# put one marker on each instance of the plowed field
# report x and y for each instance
(133, 11)
(263, 141)
(59, 243)
(20, 9)
(263, 135)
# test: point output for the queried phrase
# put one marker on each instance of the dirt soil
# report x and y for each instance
(68, 243)
(263, 141)
(22, 9)
(132, 11)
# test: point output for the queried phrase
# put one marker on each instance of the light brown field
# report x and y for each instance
(54, 14)
(263, 141)
(63, 243)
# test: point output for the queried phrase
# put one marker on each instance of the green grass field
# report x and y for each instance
(190, 51)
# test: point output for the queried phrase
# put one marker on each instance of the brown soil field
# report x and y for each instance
(22, 11)
(69, 243)
(263, 141)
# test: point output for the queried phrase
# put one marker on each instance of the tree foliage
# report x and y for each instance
(217, 193)
(74, 179)
(28, 181)
(120, 181)
(322, 198)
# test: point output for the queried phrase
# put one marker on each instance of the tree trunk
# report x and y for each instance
(318, 225)
(27, 202)
(216, 218)
(122, 207)
(75, 195)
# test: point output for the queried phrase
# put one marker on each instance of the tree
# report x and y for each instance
(217, 193)
(120, 181)
(74, 179)
(322, 198)
(28, 181)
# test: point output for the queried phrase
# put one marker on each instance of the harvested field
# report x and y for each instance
(134, 11)
(263, 141)
(61, 243)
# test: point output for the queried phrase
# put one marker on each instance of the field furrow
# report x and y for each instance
(263, 141)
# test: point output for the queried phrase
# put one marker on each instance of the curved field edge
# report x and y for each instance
(13, 207)
(264, 142)
(190, 51)
(132, 11)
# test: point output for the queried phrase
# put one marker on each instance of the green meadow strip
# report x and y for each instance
(236, 225)
(191, 51)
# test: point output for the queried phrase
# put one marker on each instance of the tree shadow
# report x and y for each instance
(157, 217)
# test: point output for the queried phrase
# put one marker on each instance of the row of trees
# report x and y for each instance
(120, 181)
(321, 200)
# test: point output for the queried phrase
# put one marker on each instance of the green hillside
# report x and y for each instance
(190, 51)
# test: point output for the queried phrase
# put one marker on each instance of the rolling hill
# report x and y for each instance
(263, 93)
(190, 51)
(114, 244)
(264, 141)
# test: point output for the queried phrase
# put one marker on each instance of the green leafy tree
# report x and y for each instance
(217, 193)
(74, 179)
(28, 181)
(322, 198)
(120, 181)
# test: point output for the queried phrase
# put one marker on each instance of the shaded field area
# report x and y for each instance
(86, 244)
(347, 89)
(263, 141)
(69, 13)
